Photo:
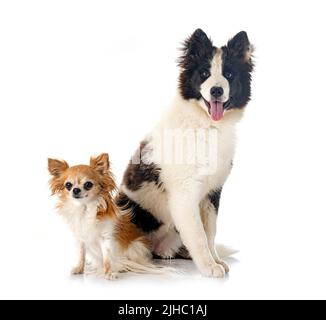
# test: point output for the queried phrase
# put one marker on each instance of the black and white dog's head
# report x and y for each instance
(218, 78)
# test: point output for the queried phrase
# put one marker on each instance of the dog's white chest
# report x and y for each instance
(221, 162)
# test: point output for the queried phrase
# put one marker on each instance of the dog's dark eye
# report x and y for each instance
(228, 75)
(204, 74)
(88, 185)
(68, 186)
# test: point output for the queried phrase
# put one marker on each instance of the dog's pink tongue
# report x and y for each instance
(216, 110)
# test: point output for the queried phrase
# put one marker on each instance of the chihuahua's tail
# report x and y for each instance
(143, 267)
(138, 259)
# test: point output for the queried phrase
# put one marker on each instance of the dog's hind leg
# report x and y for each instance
(168, 245)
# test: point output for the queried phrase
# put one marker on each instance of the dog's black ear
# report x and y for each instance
(196, 46)
(240, 47)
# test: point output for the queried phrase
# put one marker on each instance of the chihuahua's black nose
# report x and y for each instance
(216, 92)
(76, 191)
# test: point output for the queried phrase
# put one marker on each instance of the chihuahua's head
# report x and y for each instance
(83, 182)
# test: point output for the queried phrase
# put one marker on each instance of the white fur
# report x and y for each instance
(183, 203)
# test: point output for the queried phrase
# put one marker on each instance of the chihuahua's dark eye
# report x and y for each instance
(204, 74)
(228, 75)
(68, 186)
(88, 185)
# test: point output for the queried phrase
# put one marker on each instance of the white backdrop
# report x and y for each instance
(83, 77)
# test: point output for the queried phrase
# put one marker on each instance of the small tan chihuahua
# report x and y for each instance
(103, 232)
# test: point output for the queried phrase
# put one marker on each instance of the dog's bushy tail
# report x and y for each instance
(225, 251)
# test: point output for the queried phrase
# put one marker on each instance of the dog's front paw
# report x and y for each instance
(77, 271)
(213, 271)
(225, 266)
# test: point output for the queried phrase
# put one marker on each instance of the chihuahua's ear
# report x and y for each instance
(57, 167)
(101, 163)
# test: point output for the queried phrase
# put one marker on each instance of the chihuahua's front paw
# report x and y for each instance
(213, 271)
(110, 276)
(77, 271)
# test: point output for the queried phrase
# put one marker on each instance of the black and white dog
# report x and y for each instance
(175, 201)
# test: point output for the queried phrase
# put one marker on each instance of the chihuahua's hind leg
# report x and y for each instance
(80, 268)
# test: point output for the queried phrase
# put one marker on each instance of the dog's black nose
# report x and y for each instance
(76, 191)
(216, 92)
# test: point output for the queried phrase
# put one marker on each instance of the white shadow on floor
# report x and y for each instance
(183, 270)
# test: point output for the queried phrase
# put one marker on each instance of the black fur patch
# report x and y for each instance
(236, 61)
(136, 174)
(143, 219)
(197, 54)
(214, 198)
